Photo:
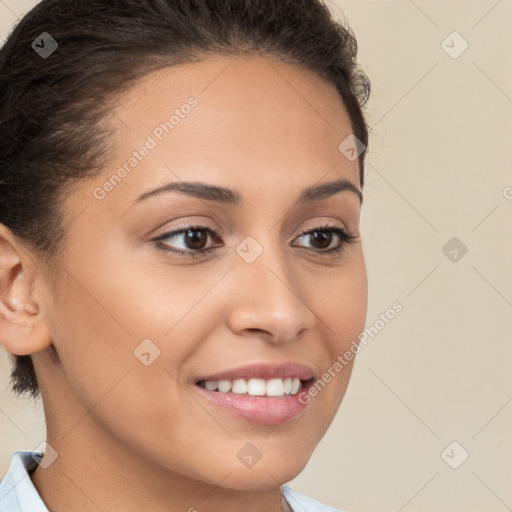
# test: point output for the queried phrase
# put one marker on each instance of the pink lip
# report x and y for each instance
(263, 371)
(258, 409)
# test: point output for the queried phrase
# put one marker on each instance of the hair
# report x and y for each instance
(53, 110)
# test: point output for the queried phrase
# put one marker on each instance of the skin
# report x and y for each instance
(134, 437)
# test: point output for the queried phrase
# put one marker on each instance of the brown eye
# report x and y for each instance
(195, 239)
(322, 238)
(192, 240)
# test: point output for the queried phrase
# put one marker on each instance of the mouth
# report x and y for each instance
(259, 401)
(263, 393)
(276, 387)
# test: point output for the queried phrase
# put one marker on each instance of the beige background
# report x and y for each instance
(440, 370)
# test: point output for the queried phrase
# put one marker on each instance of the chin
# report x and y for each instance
(264, 475)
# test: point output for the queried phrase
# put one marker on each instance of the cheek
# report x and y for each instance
(111, 319)
(96, 310)
(100, 342)
(91, 339)
(340, 300)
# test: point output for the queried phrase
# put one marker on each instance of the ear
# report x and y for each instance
(23, 327)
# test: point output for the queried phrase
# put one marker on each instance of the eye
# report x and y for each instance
(323, 236)
(194, 240)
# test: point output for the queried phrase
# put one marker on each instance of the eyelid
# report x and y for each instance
(183, 228)
(345, 236)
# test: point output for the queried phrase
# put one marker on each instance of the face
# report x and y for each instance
(143, 311)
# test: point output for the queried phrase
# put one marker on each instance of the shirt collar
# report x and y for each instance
(17, 492)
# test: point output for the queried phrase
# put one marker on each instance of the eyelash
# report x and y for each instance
(345, 237)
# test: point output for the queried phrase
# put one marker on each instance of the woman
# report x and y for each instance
(180, 257)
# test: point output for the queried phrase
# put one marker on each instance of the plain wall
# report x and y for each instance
(439, 372)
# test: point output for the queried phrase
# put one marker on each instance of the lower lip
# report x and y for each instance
(263, 410)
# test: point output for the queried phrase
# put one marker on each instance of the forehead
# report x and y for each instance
(237, 81)
(232, 119)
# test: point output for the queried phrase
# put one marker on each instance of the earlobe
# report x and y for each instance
(23, 327)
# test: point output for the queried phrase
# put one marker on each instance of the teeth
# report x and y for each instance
(211, 385)
(239, 386)
(224, 386)
(255, 387)
(295, 386)
(275, 387)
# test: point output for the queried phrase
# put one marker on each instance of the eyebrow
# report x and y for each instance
(228, 196)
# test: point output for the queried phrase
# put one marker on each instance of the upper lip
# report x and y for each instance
(263, 371)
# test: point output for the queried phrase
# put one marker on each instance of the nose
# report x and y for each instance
(269, 298)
